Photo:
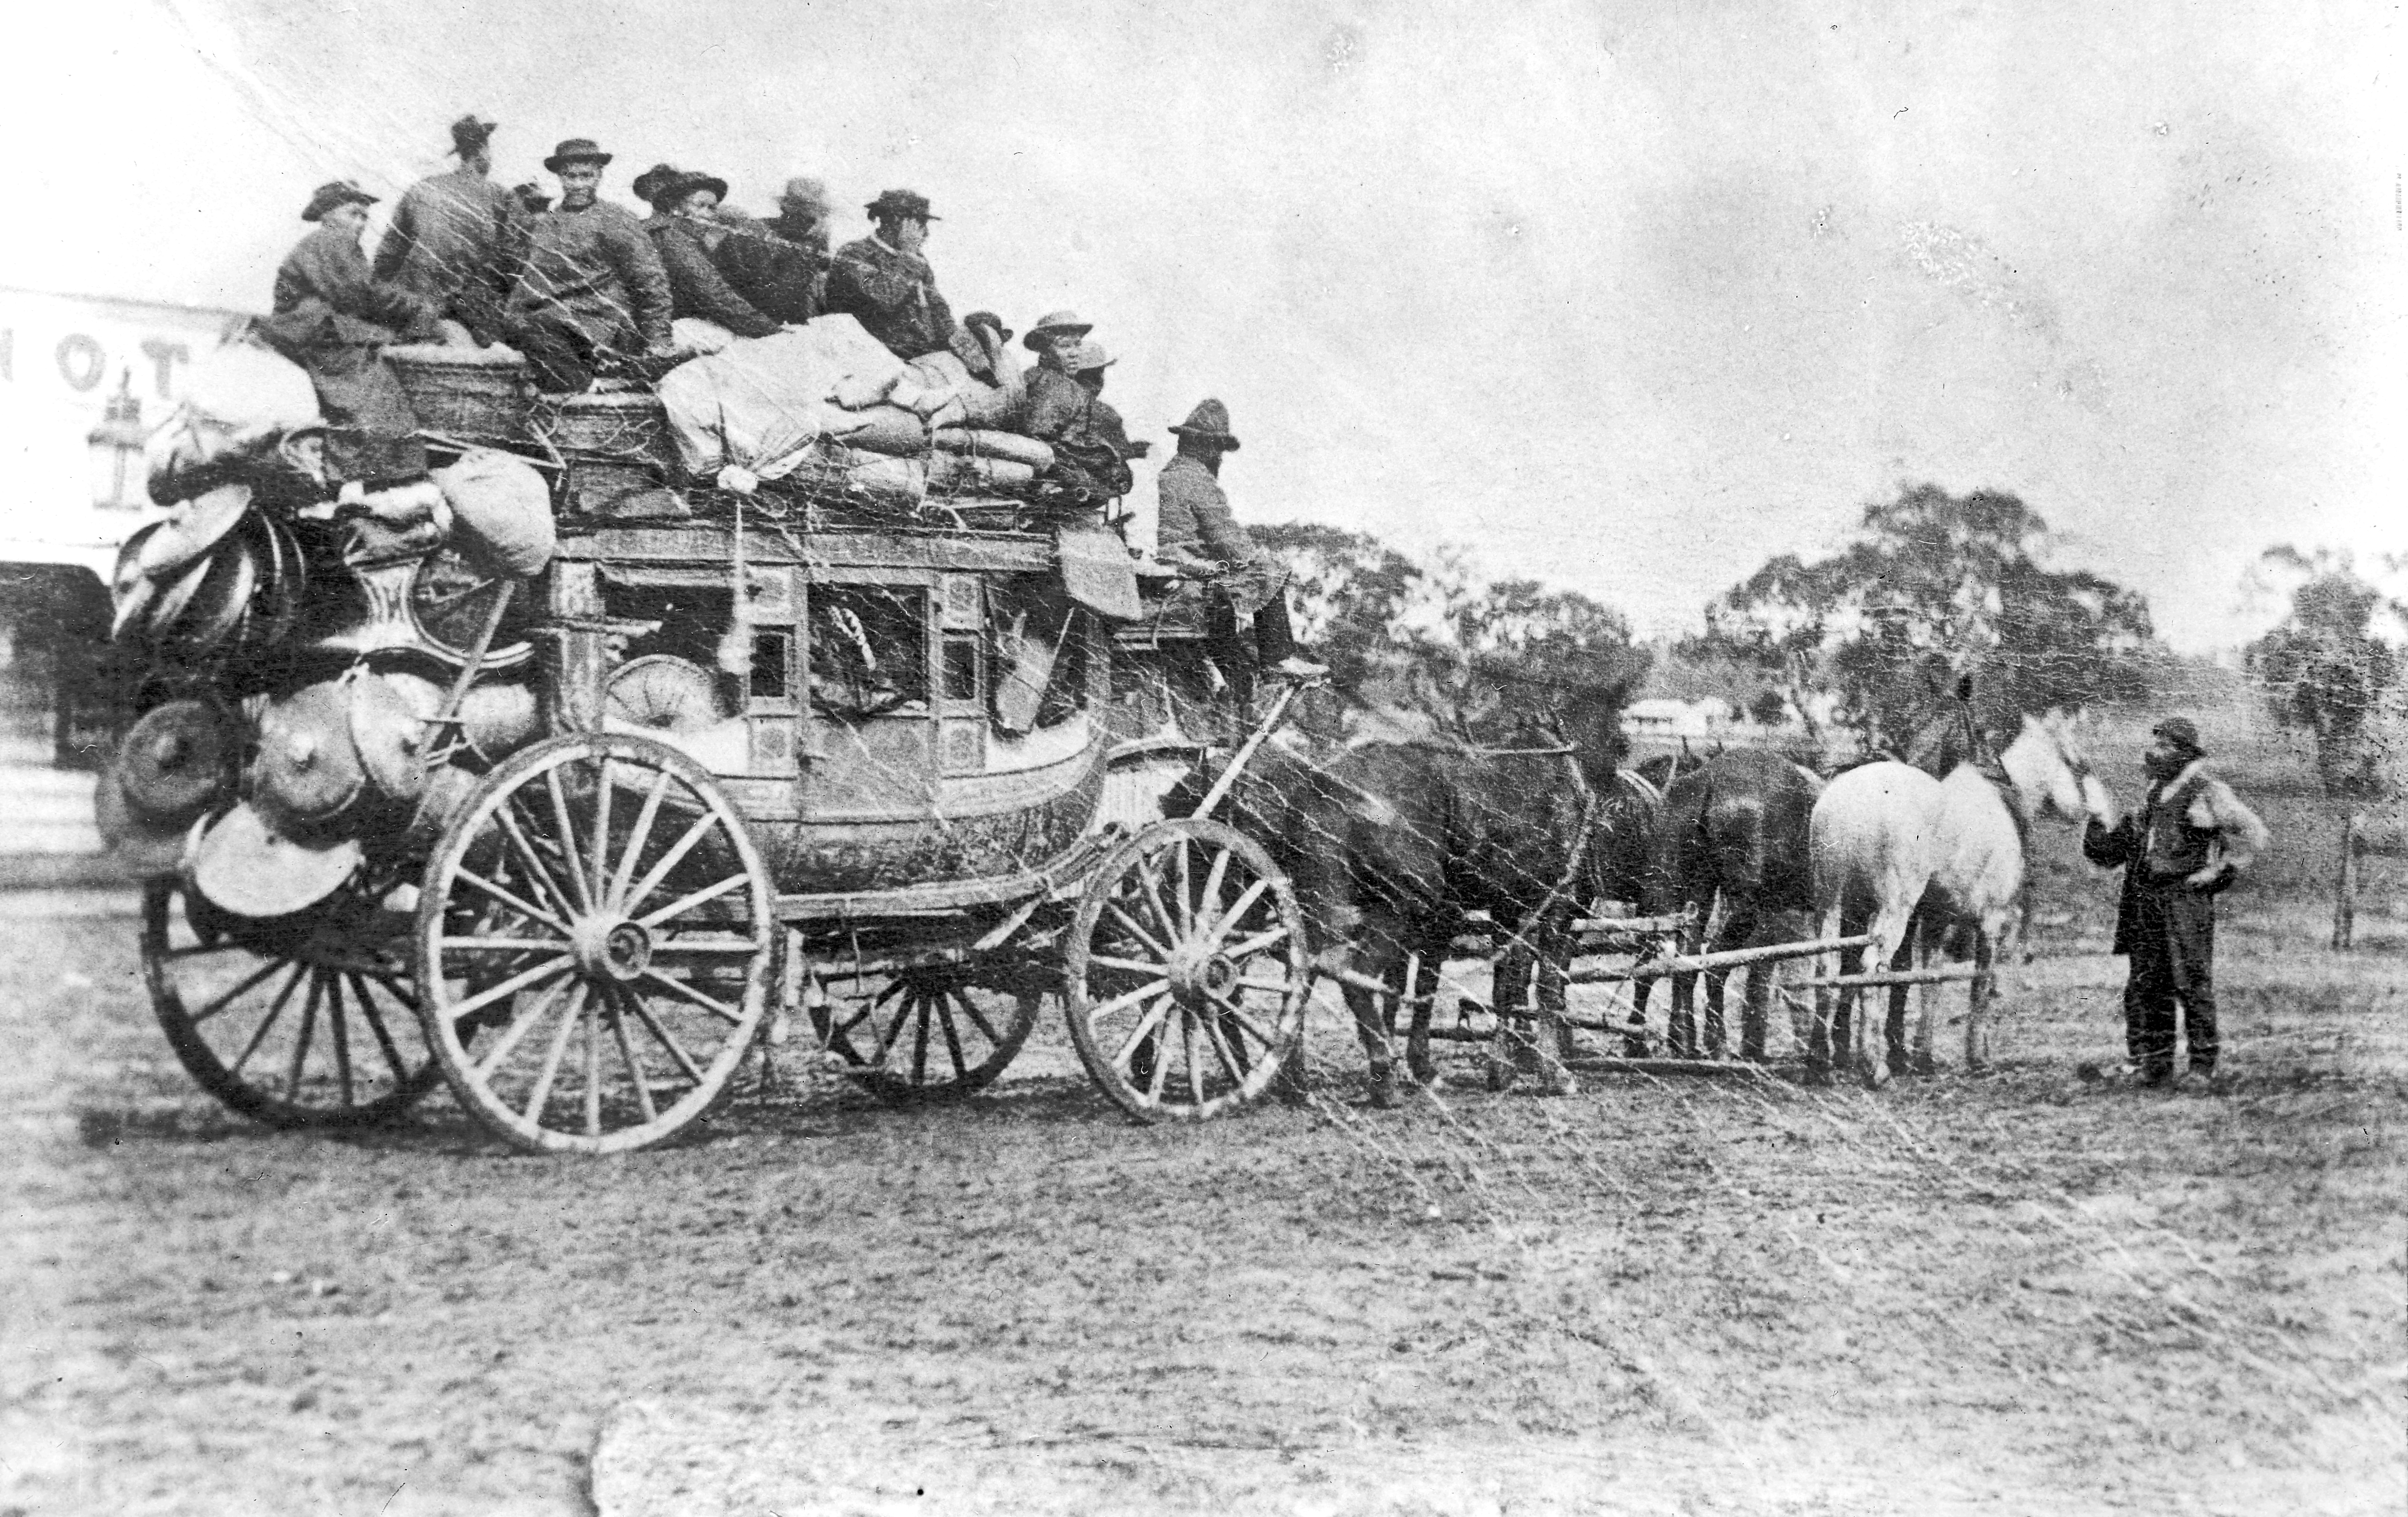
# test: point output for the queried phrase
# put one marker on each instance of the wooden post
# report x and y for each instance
(2346, 884)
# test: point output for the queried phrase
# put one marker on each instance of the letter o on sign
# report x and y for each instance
(81, 361)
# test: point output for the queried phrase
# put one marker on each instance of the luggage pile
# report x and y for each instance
(316, 666)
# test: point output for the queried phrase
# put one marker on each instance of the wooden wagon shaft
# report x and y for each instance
(1888, 976)
(1635, 926)
(1270, 723)
(1611, 1064)
(1656, 969)
(1461, 1033)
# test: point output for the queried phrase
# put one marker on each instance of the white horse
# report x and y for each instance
(1974, 906)
(1874, 841)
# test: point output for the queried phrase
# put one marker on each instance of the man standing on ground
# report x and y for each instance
(883, 282)
(457, 239)
(2191, 839)
(1199, 537)
(594, 298)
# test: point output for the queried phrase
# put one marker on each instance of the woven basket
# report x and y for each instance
(621, 425)
(480, 395)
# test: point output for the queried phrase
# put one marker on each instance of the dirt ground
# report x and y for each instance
(2017, 1292)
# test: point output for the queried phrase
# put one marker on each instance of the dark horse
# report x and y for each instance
(1736, 827)
(1393, 844)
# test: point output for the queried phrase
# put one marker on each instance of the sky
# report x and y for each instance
(1625, 298)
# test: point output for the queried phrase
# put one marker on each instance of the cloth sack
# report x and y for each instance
(502, 507)
(763, 400)
(982, 442)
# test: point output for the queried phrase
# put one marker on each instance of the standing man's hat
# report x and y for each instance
(648, 184)
(341, 192)
(468, 135)
(1053, 324)
(1089, 357)
(902, 204)
(577, 150)
(2182, 732)
(804, 191)
(1209, 423)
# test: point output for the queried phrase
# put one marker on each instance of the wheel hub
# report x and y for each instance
(612, 947)
(1198, 977)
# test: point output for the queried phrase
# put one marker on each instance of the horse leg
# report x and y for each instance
(1827, 999)
(1509, 980)
(1985, 988)
(1892, 930)
(1421, 982)
(1634, 1042)
(1738, 927)
(1895, 1041)
(1682, 1029)
(1757, 991)
(1554, 950)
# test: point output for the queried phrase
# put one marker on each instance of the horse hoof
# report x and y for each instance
(1500, 1076)
(1424, 1072)
(1926, 1065)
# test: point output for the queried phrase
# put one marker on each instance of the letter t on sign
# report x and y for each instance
(164, 356)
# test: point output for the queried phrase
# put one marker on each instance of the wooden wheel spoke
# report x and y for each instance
(1223, 1052)
(1129, 923)
(502, 945)
(689, 944)
(1187, 1047)
(301, 1042)
(594, 1066)
(194, 950)
(1150, 891)
(886, 1039)
(517, 1029)
(1256, 944)
(635, 1065)
(1238, 910)
(688, 994)
(510, 900)
(638, 836)
(1135, 966)
(917, 1009)
(708, 893)
(1246, 1024)
(275, 1009)
(1278, 988)
(1147, 1026)
(337, 1024)
(1129, 997)
(601, 850)
(1186, 889)
(702, 828)
(1214, 879)
(662, 1035)
(572, 861)
(249, 983)
(517, 982)
(375, 1020)
(952, 1037)
(539, 876)
(533, 1110)
(978, 1018)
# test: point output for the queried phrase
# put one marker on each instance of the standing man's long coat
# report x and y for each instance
(459, 239)
(333, 316)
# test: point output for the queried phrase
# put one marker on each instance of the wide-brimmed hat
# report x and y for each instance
(1209, 423)
(575, 150)
(196, 526)
(2182, 732)
(802, 190)
(341, 192)
(531, 197)
(306, 770)
(1053, 324)
(902, 204)
(177, 762)
(1089, 357)
(989, 319)
(468, 134)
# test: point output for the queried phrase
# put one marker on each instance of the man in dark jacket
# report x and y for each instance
(458, 238)
(1199, 535)
(2190, 840)
(684, 235)
(883, 283)
(593, 298)
(333, 317)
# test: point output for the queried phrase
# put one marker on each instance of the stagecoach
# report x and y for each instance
(729, 773)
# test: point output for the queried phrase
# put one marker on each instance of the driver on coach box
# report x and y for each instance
(1199, 537)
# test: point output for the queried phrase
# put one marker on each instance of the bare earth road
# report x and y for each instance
(2014, 1293)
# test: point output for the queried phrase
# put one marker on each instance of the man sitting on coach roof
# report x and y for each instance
(458, 238)
(594, 298)
(684, 234)
(883, 283)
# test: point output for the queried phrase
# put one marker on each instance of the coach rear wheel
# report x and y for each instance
(1185, 977)
(599, 904)
(300, 1021)
(922, 1035)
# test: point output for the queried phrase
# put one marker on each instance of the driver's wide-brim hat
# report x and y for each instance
(1052, 324)
(575, 150)
(244, 865)
(1209, 423)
